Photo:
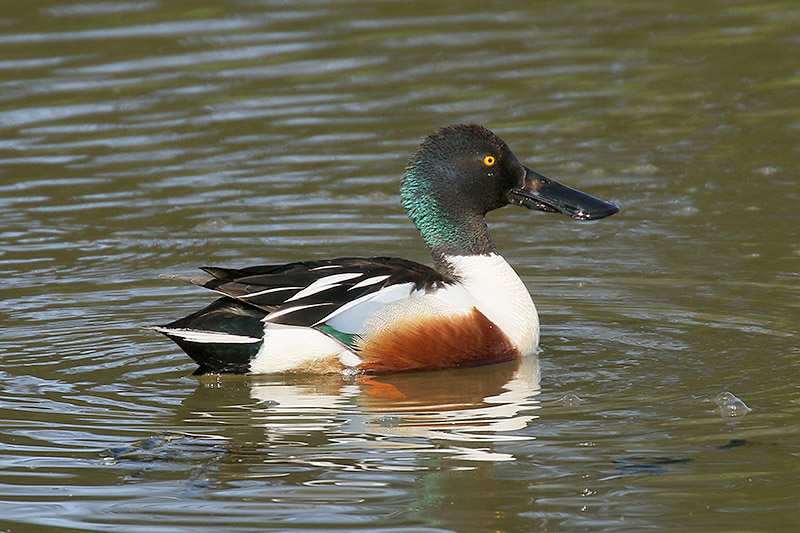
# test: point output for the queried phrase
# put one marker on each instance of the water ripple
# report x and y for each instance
(141, 137)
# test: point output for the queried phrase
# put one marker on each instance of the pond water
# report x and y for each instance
(144, 137)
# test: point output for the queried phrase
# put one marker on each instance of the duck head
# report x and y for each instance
(461, 172)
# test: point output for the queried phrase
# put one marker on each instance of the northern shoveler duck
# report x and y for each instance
(384, 314)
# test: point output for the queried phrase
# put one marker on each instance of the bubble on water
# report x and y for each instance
(571, 400)
(724, 397)
(735, 408)
(730, 406)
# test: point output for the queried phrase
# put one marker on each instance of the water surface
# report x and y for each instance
(145, 137)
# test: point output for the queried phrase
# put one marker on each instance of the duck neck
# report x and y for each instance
(448, 227)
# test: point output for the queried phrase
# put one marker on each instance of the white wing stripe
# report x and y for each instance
(350, 317)
(213, 337)
(287, 310)
(324, 283)
(267, 291)
(369, 281)
(346, 306)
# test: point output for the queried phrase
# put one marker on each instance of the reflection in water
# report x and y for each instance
(459, 412)
(475, 405)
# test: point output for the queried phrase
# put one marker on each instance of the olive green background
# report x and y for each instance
(143, 137)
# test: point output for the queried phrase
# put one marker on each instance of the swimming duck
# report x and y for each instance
(385, 314)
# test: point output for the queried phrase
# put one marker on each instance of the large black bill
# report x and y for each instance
(542, 193)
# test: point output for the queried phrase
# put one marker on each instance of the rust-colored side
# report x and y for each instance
(436, 342)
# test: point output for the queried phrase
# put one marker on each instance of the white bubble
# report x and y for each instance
(724, 397)
(734, 408)
(571, 400)
(730, 406)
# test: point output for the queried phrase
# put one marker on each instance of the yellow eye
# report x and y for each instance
(489, 160)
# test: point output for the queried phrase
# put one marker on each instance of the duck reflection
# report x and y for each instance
(476, 404)
(471, 405)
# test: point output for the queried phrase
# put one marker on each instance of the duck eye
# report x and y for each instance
(489, 160)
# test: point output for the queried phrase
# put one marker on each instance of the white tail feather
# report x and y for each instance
(211, 337)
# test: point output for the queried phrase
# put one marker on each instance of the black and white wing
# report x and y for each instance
(315, 293)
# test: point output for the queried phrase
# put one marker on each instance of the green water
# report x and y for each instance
(145, 137)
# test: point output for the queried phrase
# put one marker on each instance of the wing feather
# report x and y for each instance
(312, 293)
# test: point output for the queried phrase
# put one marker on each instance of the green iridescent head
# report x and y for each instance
(462, 172)
(458, 174)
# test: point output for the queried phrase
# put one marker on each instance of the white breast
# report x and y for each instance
(496, 290)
